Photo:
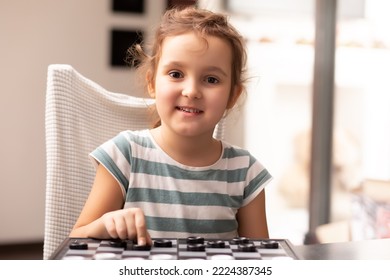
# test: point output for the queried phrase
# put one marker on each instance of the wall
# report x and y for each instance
(33, 35)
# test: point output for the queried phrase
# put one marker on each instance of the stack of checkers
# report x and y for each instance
(239, 248)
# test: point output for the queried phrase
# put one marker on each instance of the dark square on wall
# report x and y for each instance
(128, 6)
(121, 41)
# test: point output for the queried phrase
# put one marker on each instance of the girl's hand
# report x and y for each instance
(103, 217)
(127, 223)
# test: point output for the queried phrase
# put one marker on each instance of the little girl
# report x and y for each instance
(176, 180)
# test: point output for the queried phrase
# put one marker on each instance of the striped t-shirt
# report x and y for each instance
(179, 200)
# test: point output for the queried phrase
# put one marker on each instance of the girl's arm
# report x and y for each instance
(103, 217)
(252, 219)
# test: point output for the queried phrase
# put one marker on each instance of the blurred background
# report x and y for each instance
(274, 123)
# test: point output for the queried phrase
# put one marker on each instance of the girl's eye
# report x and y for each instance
(175, 74)
(212, 80)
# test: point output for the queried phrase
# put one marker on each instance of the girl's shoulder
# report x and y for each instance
(232, 151)
(134, 134)
(140, 137)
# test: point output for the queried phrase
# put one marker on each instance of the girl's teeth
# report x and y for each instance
(189, 110)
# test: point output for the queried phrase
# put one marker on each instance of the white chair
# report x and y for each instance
(81, 115)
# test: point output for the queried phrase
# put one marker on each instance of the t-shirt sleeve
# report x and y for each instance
(257, 178)
(114, 155)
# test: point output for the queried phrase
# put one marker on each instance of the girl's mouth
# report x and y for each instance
(189, 110)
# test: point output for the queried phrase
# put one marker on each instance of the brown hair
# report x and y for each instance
(205, 23)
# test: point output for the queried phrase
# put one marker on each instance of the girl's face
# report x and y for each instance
(193, 83)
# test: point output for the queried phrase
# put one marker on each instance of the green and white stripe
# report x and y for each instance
(180, 200)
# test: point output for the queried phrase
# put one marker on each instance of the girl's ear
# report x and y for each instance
(150, 85)
(234, 96)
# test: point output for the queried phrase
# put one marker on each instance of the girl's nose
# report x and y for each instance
(192, 90)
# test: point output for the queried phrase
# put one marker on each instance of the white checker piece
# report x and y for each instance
(246, 255)
(192, 254)
(80, 252)
(135, 253)
(218, 250)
